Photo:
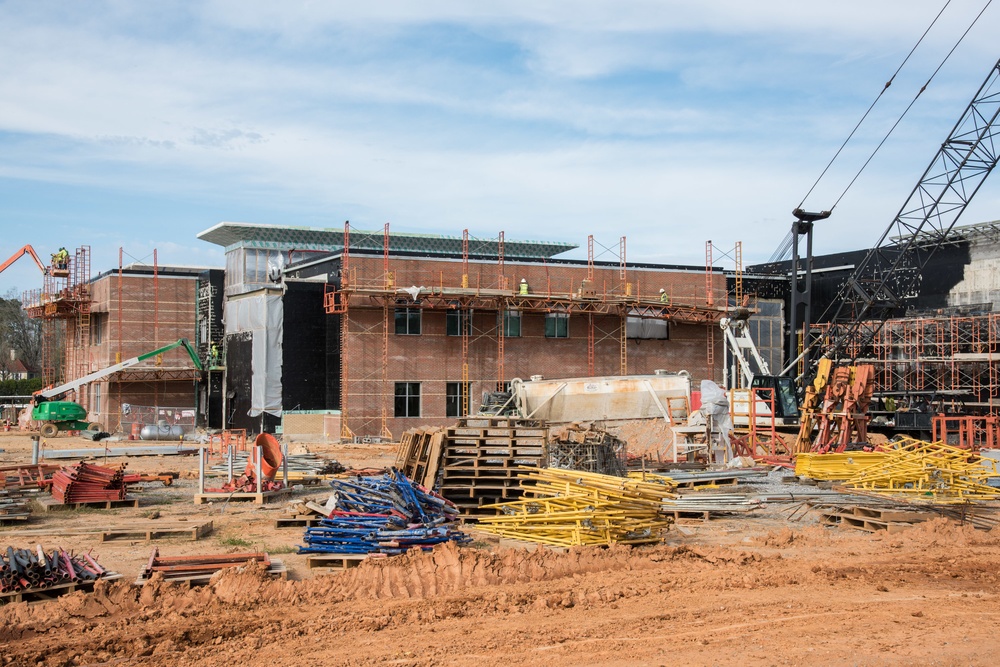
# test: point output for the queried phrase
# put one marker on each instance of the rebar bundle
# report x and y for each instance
(383, 514)
(589, 450)
(84, 483)
(28, 569)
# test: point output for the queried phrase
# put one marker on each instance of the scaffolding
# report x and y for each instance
(63, 305)
(952, 360)
(616, 299)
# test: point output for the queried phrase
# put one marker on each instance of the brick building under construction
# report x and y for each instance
(384, 331)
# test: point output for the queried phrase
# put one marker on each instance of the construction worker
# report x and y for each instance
(524, 287)
(61, 258)
(214, 354)
(664, 297)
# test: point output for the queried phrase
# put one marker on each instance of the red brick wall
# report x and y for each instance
(153, 314)
(433, 358)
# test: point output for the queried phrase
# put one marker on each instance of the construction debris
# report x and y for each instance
(572, 508)
(386, 514)
(24, 570)
(928, 472)
(85, 483)
(419, 455)
(585, 447)
(199, 569)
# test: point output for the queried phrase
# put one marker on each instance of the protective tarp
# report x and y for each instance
(715, 404)
(263, 316)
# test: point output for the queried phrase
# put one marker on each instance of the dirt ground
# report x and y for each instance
(754, 590)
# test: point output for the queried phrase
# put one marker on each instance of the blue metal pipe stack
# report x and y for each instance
(386, 514)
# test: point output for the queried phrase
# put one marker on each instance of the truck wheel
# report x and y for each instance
(93, 426)
(49, 430)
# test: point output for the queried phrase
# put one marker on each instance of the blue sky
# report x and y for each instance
(138, 125)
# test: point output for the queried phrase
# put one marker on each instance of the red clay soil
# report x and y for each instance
(811, 596)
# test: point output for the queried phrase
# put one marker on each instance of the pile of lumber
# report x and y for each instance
(929, 472)
(385, 514)
(572, 508)
(85, 483)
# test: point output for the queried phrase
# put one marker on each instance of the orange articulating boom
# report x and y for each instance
(26, 250)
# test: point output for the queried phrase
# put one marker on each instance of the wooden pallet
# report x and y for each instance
(36, 595)
(151, 532)
(52, 505)
(845, 520)
(338, 561)
(300, 521)
(256, 498)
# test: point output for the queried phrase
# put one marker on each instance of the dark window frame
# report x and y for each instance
(556, 330)
(454, 392)
(406, 399)
(407, 319)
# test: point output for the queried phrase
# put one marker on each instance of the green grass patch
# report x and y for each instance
(235, 542)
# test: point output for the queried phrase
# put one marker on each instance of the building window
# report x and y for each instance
(458, 322)
(512, 323)
(408, 321)
(646, 328)
(97, 321)
(407, 402)
(557, 325)
(456, 400)
(96, 403)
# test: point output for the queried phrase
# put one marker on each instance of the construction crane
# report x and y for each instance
(837, 398)
(880, 284)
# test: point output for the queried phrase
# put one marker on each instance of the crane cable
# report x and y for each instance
(875, 101)
(914, 101)
(781, 253)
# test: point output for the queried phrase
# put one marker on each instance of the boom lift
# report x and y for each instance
(69, 416)
(26, 250)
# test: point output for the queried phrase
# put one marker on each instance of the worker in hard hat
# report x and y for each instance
(61, 259)
(524, 287)
(664, 297)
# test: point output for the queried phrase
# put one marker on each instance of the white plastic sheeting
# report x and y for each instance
(262, 315)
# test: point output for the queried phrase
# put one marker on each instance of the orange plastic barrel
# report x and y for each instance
(270, 455)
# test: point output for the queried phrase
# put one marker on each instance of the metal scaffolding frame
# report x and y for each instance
(488, 292)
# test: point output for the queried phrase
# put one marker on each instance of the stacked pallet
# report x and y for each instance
(482, 457)
(573, 508)
(87, 483)
(419, 455)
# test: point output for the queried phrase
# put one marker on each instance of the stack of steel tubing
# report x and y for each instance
(928, 472)
(386, 514)
(86, 483)
(835, 466)
(198, 567)
(573, 508)
(30, 569)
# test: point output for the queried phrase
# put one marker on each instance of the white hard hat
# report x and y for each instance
(662, 290)
(523, 280)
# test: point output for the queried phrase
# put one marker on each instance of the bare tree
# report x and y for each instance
(20, 336)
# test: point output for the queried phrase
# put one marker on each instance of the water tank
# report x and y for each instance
(161, 432)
